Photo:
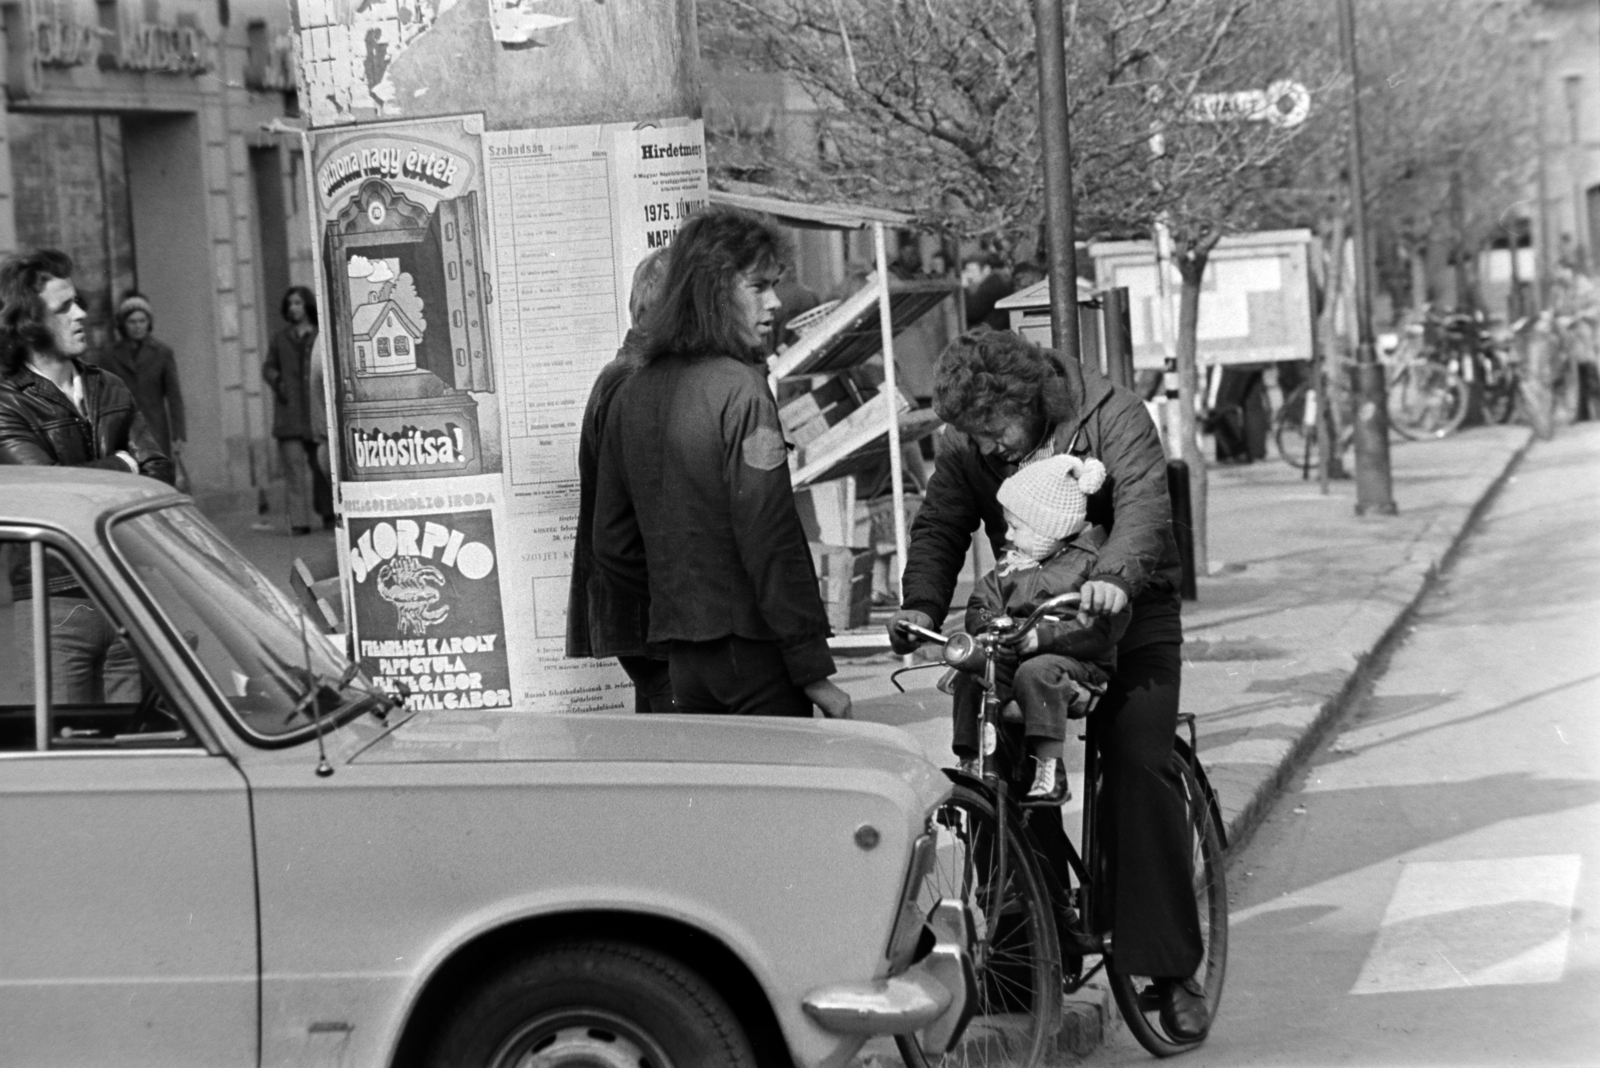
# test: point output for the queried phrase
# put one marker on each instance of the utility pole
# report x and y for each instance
(1374, 486)
(1050, 31)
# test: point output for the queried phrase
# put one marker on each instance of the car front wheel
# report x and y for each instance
(594, 1004)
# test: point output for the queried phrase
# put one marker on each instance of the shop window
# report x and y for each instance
(99, 695)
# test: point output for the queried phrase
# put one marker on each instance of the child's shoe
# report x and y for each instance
(972, 766)
(1049, 783)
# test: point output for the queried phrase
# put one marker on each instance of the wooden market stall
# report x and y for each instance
(836, 337)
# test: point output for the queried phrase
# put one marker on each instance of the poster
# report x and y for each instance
(427, 606)
(407, 300)
(476, 282)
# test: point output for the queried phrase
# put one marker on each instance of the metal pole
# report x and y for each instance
(1050, 30)
(896, 476)
(1119, 336)
(1374, 490)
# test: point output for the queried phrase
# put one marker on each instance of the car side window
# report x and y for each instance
(54, 629)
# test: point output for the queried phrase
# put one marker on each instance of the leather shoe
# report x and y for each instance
(1184, 1014)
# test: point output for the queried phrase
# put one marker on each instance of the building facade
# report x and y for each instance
(147, 139)
(1568, 55)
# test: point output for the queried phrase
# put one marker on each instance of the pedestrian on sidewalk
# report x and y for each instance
(55, 410)
(1010, 404)
(693, 504)
(149, 369)
(604, 619)
(287, 370)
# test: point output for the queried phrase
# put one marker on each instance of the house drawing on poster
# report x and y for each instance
(385, 339)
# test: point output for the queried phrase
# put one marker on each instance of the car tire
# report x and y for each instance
(591, 1003)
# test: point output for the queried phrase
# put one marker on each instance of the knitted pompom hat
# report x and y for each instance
(134, 302)
(1051, 495)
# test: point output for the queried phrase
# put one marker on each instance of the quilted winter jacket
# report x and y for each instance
(1140, 555)
(40, 425)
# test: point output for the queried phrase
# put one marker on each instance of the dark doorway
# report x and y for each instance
(272, 243)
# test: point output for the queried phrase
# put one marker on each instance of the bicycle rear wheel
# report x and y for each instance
(1016, 955)
(1137, 996)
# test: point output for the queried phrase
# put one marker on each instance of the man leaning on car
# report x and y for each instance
(56, 411)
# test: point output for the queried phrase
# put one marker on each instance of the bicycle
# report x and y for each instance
(1551, 390)
(1032, 934)
(1429, 375)
(1295, 427)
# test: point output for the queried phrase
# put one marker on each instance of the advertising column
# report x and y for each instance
(474, 280)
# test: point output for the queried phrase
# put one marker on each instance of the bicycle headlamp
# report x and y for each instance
(964, 652)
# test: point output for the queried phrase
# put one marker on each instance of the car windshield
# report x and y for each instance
(262, 654)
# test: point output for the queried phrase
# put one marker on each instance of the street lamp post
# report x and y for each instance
(1374, 490)
(1050, 30)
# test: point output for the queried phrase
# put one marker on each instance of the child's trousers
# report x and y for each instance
(1043, 688)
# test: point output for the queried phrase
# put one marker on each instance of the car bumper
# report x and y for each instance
(935, 996)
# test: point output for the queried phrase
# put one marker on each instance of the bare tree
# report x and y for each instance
(931, 106)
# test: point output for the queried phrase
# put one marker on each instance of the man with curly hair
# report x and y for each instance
(1010, 404)
(57, 411)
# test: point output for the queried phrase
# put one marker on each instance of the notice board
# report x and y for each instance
(1255, 297)
(474, 282)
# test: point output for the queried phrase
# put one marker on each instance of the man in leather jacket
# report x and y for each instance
(54, 409)
(57, 411)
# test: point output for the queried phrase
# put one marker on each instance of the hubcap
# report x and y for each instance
(580, 1038)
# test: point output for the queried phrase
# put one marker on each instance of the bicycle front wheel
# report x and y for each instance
(1138, 997)
(1296, 432)
(1426, 400)
(1015, 954)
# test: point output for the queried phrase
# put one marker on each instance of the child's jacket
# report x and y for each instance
(1018, 592)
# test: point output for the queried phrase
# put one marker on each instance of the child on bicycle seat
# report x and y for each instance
(1064, 664)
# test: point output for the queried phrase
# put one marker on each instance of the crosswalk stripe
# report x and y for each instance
(1462, 923)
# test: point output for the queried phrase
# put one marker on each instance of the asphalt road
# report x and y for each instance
(1427, 892)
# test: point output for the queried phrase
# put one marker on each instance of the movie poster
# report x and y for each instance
(427, 607)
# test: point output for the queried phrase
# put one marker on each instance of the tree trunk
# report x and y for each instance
(1331, 389)
(1192, 268)
(1417, 257)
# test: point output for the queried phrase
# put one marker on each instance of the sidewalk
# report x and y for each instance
(1302, 594)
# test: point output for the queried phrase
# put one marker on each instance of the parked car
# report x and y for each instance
(222, 847)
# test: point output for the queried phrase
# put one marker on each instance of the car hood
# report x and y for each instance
(487, 736)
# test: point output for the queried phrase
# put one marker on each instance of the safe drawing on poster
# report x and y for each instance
(408, 299)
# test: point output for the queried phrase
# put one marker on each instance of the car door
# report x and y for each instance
(127, 883)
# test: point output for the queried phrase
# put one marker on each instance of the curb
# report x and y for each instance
(1087, 1017)
(1368, 666)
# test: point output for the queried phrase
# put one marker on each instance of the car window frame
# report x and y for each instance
(179, 697)
(323, 726)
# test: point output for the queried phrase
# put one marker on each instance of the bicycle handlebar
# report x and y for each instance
(961, 649)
